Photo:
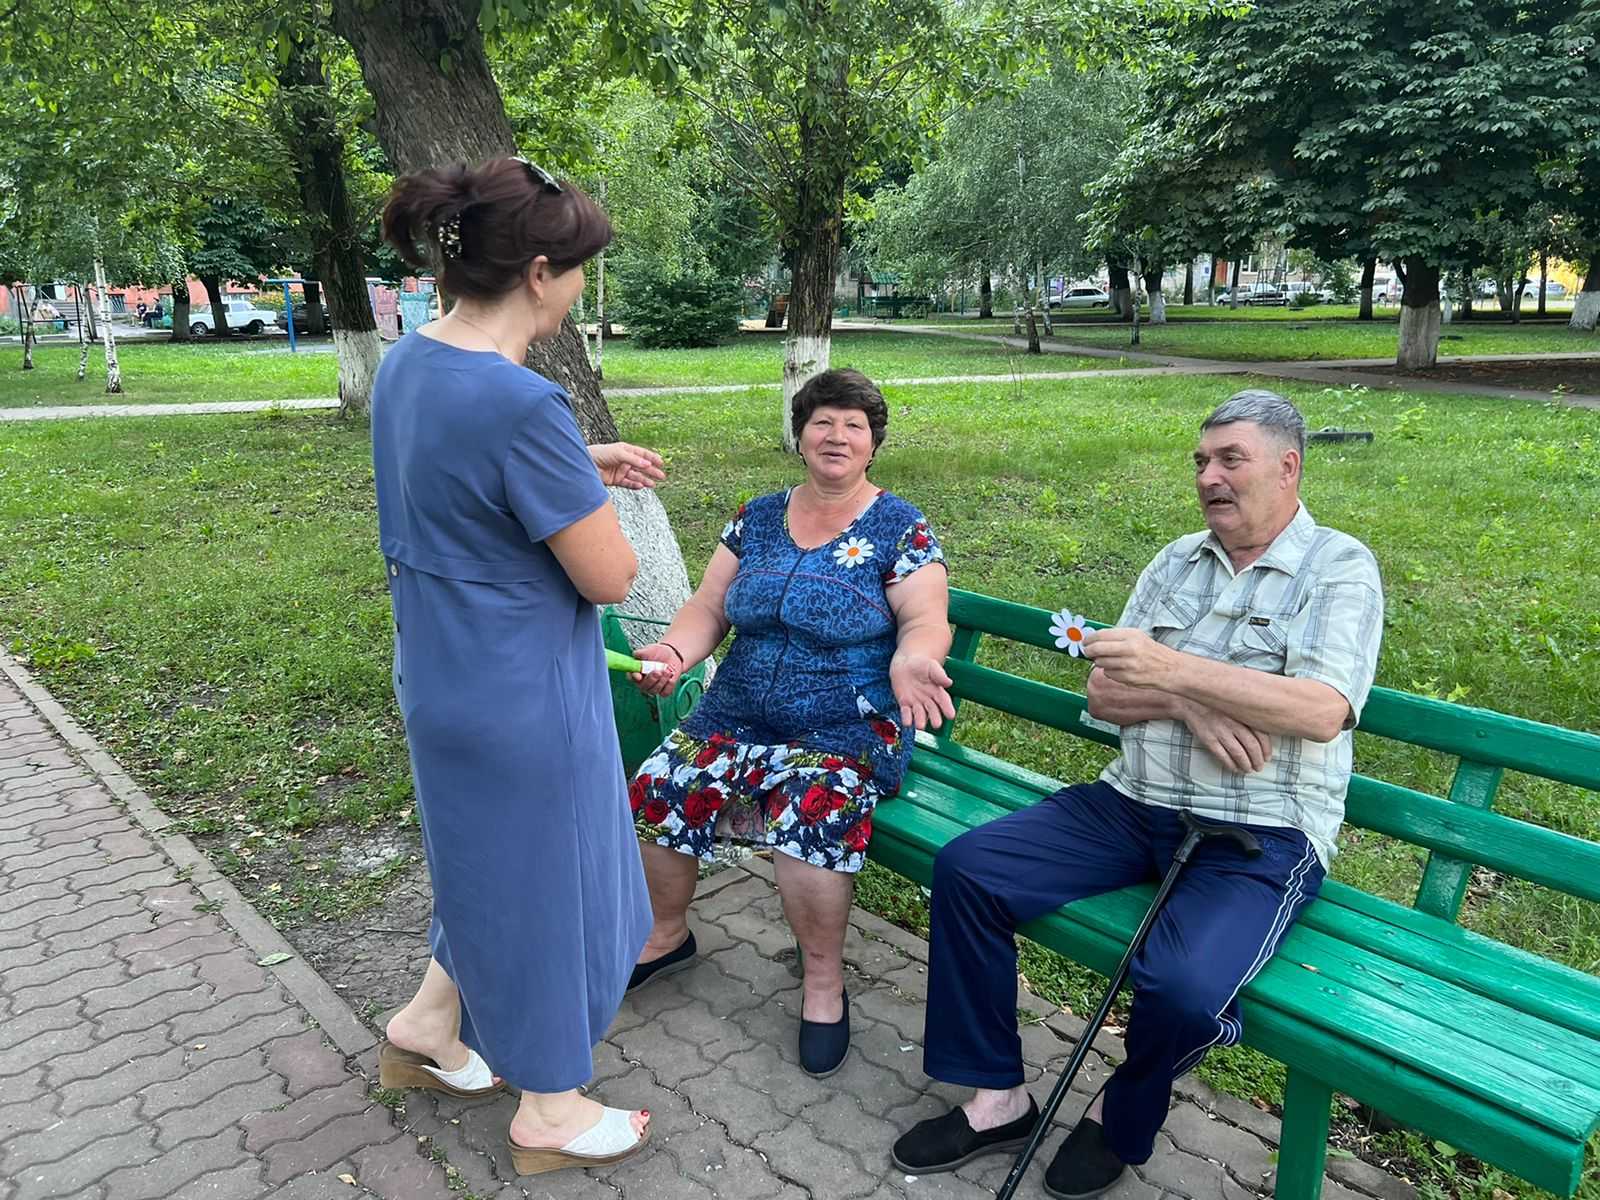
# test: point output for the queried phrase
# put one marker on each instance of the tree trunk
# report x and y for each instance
(1544, 277)
(426, 114)
(1369, 268)
(1034, 346)
(1586, 309)
(19, 298)
(180, 310)
(1233, 291)
(1419, 316)
(1042, 296)
(985, 293)
(1152, 286)
(219, 306)
(1516, 298)
(310, 131)
(1134, 340)
(1121, 290)
(815, 263)
(113, 370)
(1211, 284)
(86, 309)
(83, 333)
(316, 318)
(1188, 284)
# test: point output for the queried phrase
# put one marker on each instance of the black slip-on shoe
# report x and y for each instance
(824, 1045)
(667, 964)
(945, 1143)
(1084, 1166)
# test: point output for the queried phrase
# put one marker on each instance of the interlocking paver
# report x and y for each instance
(144, 1052)
(139, 1033)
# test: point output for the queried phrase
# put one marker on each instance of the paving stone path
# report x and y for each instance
(145, 1054)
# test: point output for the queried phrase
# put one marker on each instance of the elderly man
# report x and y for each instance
(1237, 673)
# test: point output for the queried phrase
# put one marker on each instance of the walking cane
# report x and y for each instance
(1197, 831)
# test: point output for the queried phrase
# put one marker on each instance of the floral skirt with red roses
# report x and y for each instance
(808, 804)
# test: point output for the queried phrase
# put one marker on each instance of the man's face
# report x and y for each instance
(1247, 482)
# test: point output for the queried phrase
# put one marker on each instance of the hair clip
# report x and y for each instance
(449, 234)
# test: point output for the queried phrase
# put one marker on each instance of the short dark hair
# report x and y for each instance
(841, 388)
(478, 228)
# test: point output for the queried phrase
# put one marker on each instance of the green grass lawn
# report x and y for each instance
(1193, 312)
(164, 373)
(758, 358)
(1268, 340)
(206, 595)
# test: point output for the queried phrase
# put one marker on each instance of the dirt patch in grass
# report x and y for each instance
(1573, 376)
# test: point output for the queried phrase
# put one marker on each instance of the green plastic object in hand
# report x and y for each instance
(622, 662)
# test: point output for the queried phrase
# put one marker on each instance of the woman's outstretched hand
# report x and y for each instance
(662, 682)
(627, 466)
(922, 688)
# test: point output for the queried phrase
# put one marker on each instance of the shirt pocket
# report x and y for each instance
(1261, 641)
(1172, 619)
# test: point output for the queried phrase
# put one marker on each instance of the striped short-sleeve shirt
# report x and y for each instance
(1310, 607)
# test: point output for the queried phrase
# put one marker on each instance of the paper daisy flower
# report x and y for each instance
(1068, 631)
(852, 553)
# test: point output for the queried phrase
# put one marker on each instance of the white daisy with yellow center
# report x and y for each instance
(1068, 631)
(852, 553)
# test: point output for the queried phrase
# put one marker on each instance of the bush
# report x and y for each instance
(8, 325)
(663, 311)
(1304, 300)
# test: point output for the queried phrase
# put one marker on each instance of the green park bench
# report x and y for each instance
(1489, 1048)
(894, 307)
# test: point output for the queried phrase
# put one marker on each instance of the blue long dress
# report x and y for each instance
(540, 906)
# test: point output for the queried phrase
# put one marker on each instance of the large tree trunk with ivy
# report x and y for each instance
(985, 292)
(436, 102)
(1586, 309)
(1419, 316)
(219, 306)
(113, 368)
(312, 135)
(180, 310)
(1369, 269)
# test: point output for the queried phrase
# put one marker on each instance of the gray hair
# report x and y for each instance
(1275, 415)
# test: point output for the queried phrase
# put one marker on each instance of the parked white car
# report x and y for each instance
(1081, 297)
(242, 316)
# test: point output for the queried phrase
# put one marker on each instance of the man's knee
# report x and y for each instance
(1180, 992)
(959, 864)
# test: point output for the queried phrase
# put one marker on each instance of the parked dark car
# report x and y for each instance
(302, 318)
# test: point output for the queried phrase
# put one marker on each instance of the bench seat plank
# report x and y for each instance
(1441, 1037)
(1524, 981)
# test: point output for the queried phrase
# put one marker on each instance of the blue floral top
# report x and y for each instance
(814, 634)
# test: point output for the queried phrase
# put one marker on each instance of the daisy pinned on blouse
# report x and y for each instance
(852, 552)
(1068, 631)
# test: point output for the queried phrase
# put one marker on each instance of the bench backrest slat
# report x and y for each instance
(1460, 831)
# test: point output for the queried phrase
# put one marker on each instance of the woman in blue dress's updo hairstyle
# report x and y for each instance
(839, 640)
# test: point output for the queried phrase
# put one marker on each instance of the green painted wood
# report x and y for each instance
(1477, 734)
(1421, 1102)
(1042, 703)
(1303, 1142)
(1515, 977)
(1445, 878)
(963, 648)
(1537, 1068)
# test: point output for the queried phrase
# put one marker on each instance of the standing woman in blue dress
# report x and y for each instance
(499, 539)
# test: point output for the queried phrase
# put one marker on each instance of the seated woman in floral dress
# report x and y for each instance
(840, 639)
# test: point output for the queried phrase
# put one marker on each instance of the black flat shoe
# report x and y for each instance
(1085, 1165)
(667, 964)
(945, 1143)
(823, 1046)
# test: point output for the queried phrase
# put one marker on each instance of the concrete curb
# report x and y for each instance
(308, 989)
